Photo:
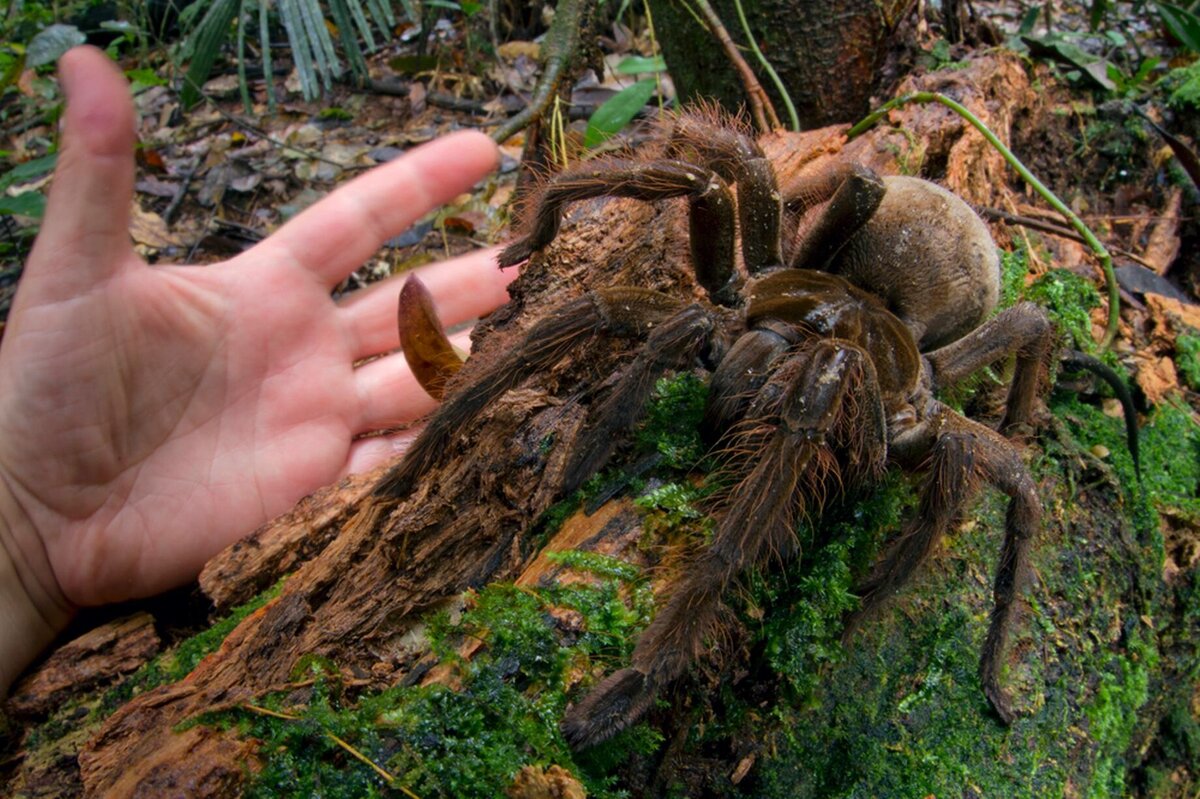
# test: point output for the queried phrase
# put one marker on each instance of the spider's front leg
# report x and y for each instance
(710, 212)
(822, 399)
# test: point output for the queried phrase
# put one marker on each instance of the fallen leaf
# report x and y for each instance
(743, 768)
(150, 158)
(223, 86)
(150, 231)
(1178, 314)
(156, 188)
(461, 225)
(511, 51)
(1156, 377)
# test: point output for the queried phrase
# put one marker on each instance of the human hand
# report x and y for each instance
(152, 415)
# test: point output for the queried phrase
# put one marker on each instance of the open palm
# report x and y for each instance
(152, 415)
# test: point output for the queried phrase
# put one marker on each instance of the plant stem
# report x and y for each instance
(793, 118)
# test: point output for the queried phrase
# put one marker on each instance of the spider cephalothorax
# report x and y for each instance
(836, 352)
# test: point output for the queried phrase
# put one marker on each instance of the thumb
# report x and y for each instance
(85, 233)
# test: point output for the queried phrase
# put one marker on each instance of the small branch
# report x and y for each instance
(1054, 230)
(1114, 291)
(177, 200)
(559, 50)
(793, 117)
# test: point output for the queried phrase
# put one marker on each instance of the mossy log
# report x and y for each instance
(441, 637)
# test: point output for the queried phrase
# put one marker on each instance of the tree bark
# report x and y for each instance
(827, 52)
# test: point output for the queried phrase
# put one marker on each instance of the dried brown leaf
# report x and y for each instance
(1156, 376)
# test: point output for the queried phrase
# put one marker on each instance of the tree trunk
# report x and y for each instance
(827, 52)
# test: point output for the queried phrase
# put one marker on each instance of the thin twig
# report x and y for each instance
(350, 749)
(793, 117)
(180, 193)
(1055, 230)
(262, 134)
(761, 109)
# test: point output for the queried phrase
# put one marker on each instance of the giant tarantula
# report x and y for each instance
(838, 351)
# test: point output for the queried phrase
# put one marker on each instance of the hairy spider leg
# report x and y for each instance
(429, 353)
(618, 311)
(858, 194)
(710, 212)
(786, 443)
(674, 344)
(965, 454)
(1023, 329)
(731, 153)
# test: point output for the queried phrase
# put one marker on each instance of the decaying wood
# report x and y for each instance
(364, 568)
(94, 658)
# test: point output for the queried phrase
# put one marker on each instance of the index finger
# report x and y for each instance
(335, 236)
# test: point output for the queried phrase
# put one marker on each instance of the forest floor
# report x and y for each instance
(217, 179)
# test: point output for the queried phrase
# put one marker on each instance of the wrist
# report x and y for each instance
(32, 608)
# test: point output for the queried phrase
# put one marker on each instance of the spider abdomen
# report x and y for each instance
(929, 257)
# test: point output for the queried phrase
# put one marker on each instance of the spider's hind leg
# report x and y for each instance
(964, 455)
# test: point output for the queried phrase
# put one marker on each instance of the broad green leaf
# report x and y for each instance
(1182, 24)
(1029, 21)
(143, 79)
(31, 203)
(616, 112)
(28, 170)
(1057, 47)
(118, 26)
(51, 43)
(636, 64)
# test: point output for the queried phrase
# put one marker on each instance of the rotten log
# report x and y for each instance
(364, 571)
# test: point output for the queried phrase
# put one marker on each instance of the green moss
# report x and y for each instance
(1113, 715)
(807, 601)
(900, 710)
(179, 662)
(1183, 85)
(673, 509)
(1068, 297)
(1014, 266)
(1187, 359)
(673, 419)
(469, 741)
